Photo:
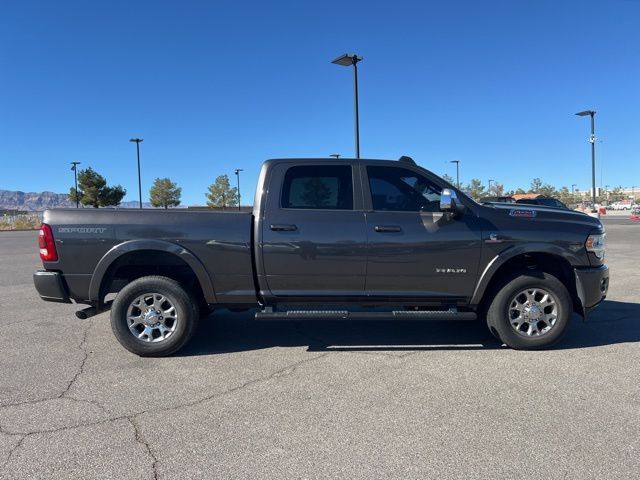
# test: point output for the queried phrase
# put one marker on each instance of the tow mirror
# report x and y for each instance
(449, 203)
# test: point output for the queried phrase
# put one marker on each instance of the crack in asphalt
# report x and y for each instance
(281, 373)
(11, 452)
(142, 441)
(57, 397)
(82, 346)
(131, 418)
(70, 427)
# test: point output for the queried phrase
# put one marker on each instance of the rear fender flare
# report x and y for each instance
(159, 245)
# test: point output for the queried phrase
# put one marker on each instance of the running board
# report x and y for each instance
(346, 315)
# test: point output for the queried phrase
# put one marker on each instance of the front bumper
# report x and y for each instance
(592, 285)
(50, 286)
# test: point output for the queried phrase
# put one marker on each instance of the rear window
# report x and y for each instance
(321, 187)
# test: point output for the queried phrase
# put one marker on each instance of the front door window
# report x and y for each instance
(401, 190)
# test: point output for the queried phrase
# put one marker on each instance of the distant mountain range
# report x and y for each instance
(38, 201)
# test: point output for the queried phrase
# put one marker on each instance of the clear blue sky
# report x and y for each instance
(217, 85)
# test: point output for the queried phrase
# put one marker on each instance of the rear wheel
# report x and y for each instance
(153, 316)
(530, 311)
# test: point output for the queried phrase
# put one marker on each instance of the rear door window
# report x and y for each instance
(318, 187)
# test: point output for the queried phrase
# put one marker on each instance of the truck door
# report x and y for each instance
(313, 232)
(414, 249)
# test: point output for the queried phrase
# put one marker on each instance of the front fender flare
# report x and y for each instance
(158, 245)
(514, 251)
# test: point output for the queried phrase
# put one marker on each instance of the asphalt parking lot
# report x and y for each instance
(318, 400)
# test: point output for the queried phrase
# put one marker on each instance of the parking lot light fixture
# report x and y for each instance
(237, 172)
(489, 188)
(592, 141)
(347, 60)
(137, 142)
(74, 167)
(457, 162)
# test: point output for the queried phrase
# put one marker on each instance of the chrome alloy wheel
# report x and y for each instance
(533, 312)
(152, 317)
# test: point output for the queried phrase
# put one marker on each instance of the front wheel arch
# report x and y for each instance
(552, 264)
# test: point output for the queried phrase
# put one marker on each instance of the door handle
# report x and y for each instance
(283, 227)
(387, 228)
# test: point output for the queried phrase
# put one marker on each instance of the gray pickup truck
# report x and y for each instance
(329, 239)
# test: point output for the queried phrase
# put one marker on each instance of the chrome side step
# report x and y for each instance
(346, 315)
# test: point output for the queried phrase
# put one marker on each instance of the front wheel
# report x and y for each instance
(530, 311)
(153, 316)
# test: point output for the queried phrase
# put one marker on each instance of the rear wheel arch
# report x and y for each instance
(155, 255)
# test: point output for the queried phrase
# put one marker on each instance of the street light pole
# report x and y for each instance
(490, 180)
(592, 140)
(457, 162)
(347, 60)
(237, 172)
(74, 167)
(137, 142)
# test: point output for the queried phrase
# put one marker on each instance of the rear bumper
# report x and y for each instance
(592, 285)
(50, 286)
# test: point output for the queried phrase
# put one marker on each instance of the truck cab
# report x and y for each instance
(362, 231)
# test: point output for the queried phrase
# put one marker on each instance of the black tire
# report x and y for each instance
(186, 318)
(499, 312)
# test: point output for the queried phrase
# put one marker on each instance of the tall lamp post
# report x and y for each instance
(592, 140)
(137, 142)
(490, 180)
(74, 167)
(347, 60)
(237, 172)
(457, 162)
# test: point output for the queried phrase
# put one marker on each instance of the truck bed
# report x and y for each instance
(221, 241)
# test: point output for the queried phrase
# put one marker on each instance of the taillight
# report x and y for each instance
(47, 245)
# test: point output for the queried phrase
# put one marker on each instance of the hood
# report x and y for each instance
(538, 213)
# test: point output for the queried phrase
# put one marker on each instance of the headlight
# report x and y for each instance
(596, 244)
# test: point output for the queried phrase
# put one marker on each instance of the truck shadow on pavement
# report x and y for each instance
(225, 332)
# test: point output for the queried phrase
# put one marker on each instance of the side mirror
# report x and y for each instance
(449, 203)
